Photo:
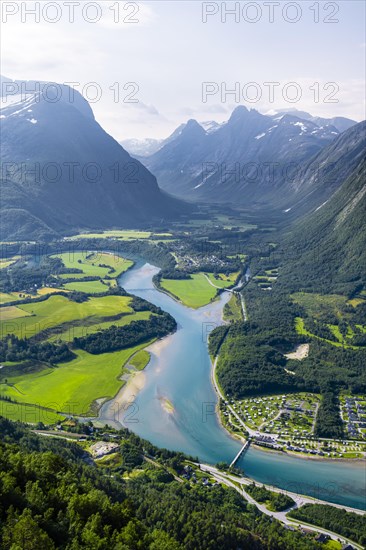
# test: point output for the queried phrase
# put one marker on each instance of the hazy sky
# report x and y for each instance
(169, 52)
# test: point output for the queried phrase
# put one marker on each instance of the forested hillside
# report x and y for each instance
(326, 250)
(316, 297)
(51, 498)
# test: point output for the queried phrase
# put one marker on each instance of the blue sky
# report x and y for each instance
(170, 52)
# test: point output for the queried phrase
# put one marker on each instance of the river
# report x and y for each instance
(173, 406)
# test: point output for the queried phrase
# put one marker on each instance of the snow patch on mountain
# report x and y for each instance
(321, 206)
(210, 126)
(302, 126)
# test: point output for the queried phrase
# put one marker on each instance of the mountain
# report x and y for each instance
(326, 171)
(249, 161)
(340, 123)
(61, 171)
(141, 147)
(326, 248)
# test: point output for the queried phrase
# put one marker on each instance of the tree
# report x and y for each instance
(27, 535)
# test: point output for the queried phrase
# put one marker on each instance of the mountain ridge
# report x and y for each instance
(236, 162)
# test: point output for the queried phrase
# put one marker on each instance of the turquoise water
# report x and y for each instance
(179, 372)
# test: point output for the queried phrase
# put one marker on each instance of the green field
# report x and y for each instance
(90, 287)
(85, 329)
(6, 262)
(38, 391)
(12, 312)
(195, 292)
(43, 291)
(65, 276)
(13, 297)
(92, 264)
(329, 312)
(30, 414)
(17, 296)
(140, 359)
(223, 281)
(316, 305)
(72, 387)
(57, 310)
(116, 234)
(301, 329)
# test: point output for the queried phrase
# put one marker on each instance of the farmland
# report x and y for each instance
(28, 413)
(222, 280)
(6, 262)
(6, 297)
(59, 310)
(91, 264)
(194, 292)
(12, 312)
(78, 331)
(73, 386)
(200, 289)
(37, 390)
(123, 235)
(90, 287)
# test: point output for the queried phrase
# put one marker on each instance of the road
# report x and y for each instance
(243, 306)
(221, 395)
(233, 481)
(215, 286)
(250, 431)
(233, 291)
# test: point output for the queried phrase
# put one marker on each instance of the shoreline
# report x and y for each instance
(241, 438)
(220, 395)
(134, 382)
(302, 456)
(353, 461)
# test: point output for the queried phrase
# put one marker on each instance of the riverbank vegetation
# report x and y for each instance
(140, 360)
(233, 309)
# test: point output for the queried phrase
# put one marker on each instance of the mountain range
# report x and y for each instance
(148, 146)
(61, 171)
(252, 160)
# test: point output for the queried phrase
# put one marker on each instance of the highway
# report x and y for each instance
(239, 484)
